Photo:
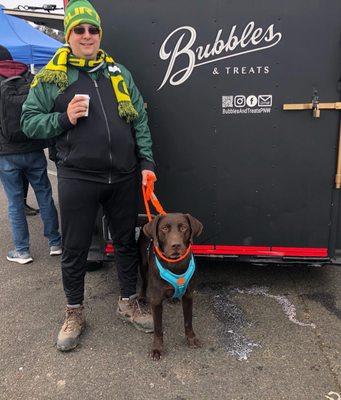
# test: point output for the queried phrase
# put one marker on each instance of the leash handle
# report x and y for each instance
(149, 196)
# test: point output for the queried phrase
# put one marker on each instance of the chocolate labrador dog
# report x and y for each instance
(168, 270)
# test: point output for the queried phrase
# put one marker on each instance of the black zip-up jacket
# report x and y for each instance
(101, 147)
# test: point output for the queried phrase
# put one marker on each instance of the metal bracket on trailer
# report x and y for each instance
(316, 107)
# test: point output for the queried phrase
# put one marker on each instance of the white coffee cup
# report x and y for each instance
(87, 98)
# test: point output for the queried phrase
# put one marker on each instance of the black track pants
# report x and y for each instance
(79, 202)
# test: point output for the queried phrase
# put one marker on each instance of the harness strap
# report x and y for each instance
(179, 282)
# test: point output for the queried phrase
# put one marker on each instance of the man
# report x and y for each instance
(99, 149)
(20, 156)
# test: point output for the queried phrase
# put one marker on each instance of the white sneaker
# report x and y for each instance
(55, 250)
(21, 257)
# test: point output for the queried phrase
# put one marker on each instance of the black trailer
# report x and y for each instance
(220, 79)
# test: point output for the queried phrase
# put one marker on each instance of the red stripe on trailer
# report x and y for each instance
(243, 250)
(210, 249)
(202, 249)
(260, 251)
(303, 251)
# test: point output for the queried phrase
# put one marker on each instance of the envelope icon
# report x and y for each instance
(265, 100)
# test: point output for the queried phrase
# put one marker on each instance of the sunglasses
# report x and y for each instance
(80, 30)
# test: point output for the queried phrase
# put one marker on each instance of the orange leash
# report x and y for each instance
(149, 196)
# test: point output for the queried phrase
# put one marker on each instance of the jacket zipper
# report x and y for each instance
(107, 125)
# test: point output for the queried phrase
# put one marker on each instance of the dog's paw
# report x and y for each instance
(194, 342)
(156, 354)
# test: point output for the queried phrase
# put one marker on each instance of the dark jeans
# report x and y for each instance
(79, 202)
(33, 166)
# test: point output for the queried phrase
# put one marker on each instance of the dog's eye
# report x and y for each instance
(183, 228)
(165, 229)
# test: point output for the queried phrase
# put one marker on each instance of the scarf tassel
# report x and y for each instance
(58, 78)
(127, 111)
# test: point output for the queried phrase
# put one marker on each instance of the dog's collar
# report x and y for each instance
(179, 282)
(172, 260)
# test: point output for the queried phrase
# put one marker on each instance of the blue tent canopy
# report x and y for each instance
(25, 43)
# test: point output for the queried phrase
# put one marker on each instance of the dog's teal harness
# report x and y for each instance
(179, 282)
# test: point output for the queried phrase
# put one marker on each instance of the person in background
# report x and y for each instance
(5, 55)
(20, 156)
(100, 147)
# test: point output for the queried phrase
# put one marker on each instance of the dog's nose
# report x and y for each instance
(176, 246)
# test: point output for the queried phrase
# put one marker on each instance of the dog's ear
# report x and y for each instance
(196, 226)
(150, 230)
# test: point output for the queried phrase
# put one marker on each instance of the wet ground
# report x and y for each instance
(268, 333)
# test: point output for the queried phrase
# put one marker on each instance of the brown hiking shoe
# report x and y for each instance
(74, 325)
(136, 312)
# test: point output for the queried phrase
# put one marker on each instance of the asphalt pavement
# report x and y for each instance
(268, 332)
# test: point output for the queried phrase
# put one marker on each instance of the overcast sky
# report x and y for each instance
(34, 3)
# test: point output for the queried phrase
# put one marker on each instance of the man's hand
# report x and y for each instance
(148, 179)
(77, 108)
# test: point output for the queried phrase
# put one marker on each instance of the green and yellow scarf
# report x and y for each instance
(56, 72)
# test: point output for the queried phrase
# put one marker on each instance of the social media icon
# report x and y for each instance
(251, 101)
(265, 100)
(239, 101)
